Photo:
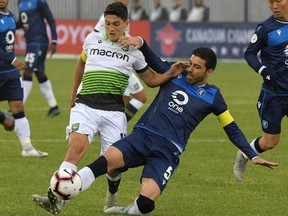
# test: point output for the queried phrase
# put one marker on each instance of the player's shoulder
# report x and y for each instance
(212, 87)
(268, 24)
(94, 36)
(8, 15)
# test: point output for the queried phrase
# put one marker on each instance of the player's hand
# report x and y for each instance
(19, 64)
(130, 41)
(178, 67)
(268, 77)
(9, 123)
(52, 49)
(263, 162)
(72, 101)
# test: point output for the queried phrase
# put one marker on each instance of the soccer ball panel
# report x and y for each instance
(66, 184)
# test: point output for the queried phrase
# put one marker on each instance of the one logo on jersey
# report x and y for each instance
(179, 99)
(9, 38)
(168, 37)
(109, 53)
(24, 17)
(254, 38)
(265, 124)
(201, 92)
(100, 41)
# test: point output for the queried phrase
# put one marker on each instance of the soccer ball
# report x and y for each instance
(66, 184)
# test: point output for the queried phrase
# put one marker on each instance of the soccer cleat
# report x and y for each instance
(111, 200)
(117, 210)
(122, 210)
(54, 111)
(34, 153)
(51, 203)
(240, 166)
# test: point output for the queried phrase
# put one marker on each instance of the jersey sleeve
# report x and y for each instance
(230, 127)
(154, 61)
(45, 10)
(258, 40)
(140, 64)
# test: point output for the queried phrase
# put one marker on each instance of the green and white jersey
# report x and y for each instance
(107, 70)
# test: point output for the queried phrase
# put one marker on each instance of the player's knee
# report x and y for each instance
(145, 205)
(41, 77)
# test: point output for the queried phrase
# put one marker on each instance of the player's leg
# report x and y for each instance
(31, 58)
(27, 83)
(159, 167)
(113, 129)
(80, 133)
(134, 97)
(271, 110)
(14, 94)
(47, 91)
(45, 84)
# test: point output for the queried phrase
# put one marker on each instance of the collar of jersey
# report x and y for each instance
(107, 38)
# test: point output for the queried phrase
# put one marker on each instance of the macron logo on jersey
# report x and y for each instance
(108, 53)
(179, 99)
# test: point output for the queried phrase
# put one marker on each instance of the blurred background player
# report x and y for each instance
(270, 38)
(178, 13)
(158, 12)
(7, 121)
(10, 84)
(199, 12)
(137, 11)
(32, 17)
(134, 95)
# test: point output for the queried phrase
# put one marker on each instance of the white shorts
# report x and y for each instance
(134, 85)
(109, 125)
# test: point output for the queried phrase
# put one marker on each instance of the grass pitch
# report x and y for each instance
(203, 185)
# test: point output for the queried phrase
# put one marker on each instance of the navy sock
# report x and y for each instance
(257, 146)
(99, 166)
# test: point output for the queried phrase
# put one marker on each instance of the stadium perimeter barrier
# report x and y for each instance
(173, 40)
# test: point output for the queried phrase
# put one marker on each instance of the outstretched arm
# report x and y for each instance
(154, 61)
(153, 79)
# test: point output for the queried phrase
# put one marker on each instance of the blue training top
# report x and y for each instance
(7, 38)
(32, 15)
(271, 38)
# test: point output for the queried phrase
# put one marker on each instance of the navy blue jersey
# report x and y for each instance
(271, 38)
(32, 15)
(7, 38)
(179, 107)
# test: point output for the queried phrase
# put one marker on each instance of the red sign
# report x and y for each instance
(71, 35)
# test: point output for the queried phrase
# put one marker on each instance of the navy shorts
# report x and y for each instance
(159, 157)
(272, 108)
(11, 87)
(35, 57)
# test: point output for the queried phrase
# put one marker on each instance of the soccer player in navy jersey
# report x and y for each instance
(270, 38)
(10, 83)
(161, 135)
(32, 16)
